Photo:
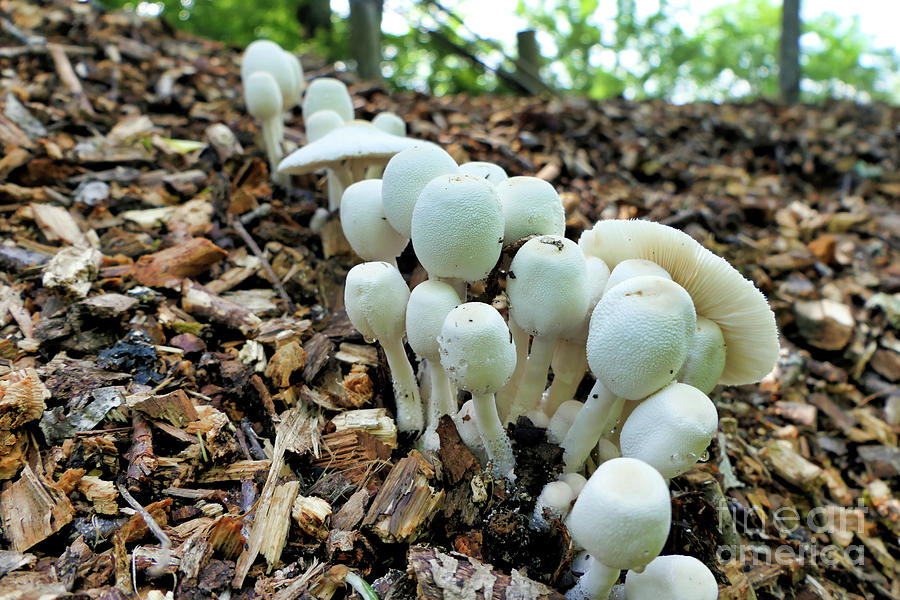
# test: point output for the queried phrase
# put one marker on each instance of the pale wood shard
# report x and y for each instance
(167, 268)
(236, 471)
(22, 396)
(276, 521)
(357, 354)
(312, 514)
(374, 421)
(102, 494)
(32, 509)
(406, 502)
(443, 576)
(780, 456)
(200, 302)
(57, 224)
(352, 452)
(287, 360)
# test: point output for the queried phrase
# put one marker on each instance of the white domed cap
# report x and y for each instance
(562, 420)
(406, 175)
(670, 429)
(547, 286)
(390, 123)
(623, 514)
(719, 291)
(576, 481)
(530, 207)
(364, 225)
(673, 577)
(262, 95)
(375, 297)
(297, 67)
(635, 267)
(706, 357)
(265, 56)
(488, 171)
(321, 123)
(429, 303)
(328, 93)
(640, 332)
(477, 350)
(457, 227)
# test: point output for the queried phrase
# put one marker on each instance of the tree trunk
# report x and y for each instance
(365, 37)
(528, 62)
(789, 61)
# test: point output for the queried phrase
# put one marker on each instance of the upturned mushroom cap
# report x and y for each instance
(720, 293)
(429, 303)
(670, 429)
(706, 357)
(321, 123)
(358, 141)
(265, 56)
(488, 171)
(406, 175)
(623, 514)
(364, 225)
(390, 123)
(640, 332)
(375, 297)
(530, 207)
(634, 267)
(476, 348)
(262, 95)
(673, 577)
(547, 286)
(457, 227)
(328, 93)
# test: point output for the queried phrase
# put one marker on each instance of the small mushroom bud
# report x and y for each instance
(364, 225)
(674, 576)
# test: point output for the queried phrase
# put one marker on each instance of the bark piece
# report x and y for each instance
(175, 407)
(286, 361)
(351, 452)
(200, 302)
(825, 324)
(32, 509)
(108, 306)
(780, 456)
(319, 349)
(141, 458)
(57, 224)
(167, 268)
(101, 493)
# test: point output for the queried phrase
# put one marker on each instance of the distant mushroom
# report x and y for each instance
(327, 93)
(263, 99)
(365, 226)
(318, 125)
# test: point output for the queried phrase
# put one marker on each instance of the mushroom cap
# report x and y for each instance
(489, 171)
(429, 303)
(640, 332)
(706, 357)
(364, 225)
(531, 206)
(623, 514)
(390, 123)
(330, 93)
(547, 287)
(297, 67)
(406, 175)
(375, 297)
(354, 141)
(262, 95)
(457, 227)
(673, 577)
(634, 267)
(670, 429)
(265, 56)
(322, 122)
(477, 350)
(719, 291)
(562, 420)
(576, 482)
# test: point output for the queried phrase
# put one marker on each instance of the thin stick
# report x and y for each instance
(239, 228)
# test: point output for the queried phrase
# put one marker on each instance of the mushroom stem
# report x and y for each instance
(271, 139)
(496, 442)
(569, 365)
(534, 377)
(442, 401)
(406, 392)
(596, 582)
(506, 395)
(596, 417)
(335, 190)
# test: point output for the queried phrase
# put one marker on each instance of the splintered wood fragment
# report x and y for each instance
(135, 528)
(226, 538)
(351, 452)
(443, 576)
(176, 407)
(32, 509)
(780, 456)
(101, 493)
(287, 360)
(141, 458)
(406, 502)
(319, 349)
(167, 268)
(311, 514)
(357, 354)
(236, 471)
(22, 396)
(200, 302)
(357, 387)
(374, 421)
(275, 520)
(57, 224)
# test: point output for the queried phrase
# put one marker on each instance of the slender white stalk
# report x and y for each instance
(595, 584)
(597, 416)
(506, 395)
(335, 190)
(496, 442)
(534, 378)
(442, 401)
(410, 416)
(569, 365)
(272, 143)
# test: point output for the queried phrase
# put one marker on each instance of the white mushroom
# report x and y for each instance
(706, 357)
(554, 502)
(562, 420)
(263, 99)
(634, 267)
(490, 172)
(477, 352)
(390, 123)
(364, 224)
(530, 207)
(406, 175)
(673, 577)
(327, 93)
(375, 297)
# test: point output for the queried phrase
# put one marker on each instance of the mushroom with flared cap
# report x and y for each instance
(672, 577)
(364, 225)
(720, 293)
(478, 353)
(622, 518)
(318, 125)
(406, 175)
(671, 429)
(490, 172)
(531, 206)
(327, 93)
(428, 306)
(375, 297)
(263, 99)
(268, 57)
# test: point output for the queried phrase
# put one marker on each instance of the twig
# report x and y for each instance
(67, 75)
(239, 228)
(165, 544)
